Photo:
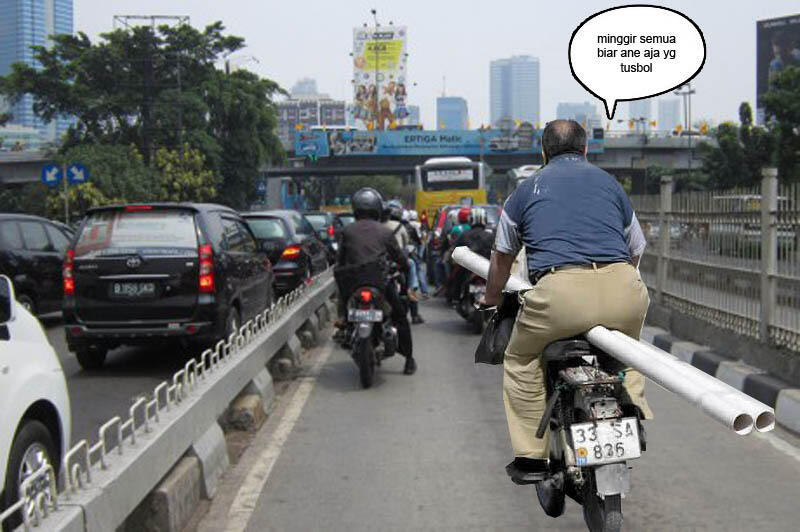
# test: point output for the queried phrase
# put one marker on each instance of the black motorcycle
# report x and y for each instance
(370, 331)
(593, 433)
(471, 291)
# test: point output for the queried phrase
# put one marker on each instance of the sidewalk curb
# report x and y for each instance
(757, 383)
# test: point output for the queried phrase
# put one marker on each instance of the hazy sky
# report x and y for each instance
(456, 40)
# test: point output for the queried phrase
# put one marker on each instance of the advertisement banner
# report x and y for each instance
(777, 46)
(379, 76)
(413, 142)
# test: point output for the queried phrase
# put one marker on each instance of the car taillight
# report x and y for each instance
(292, 251)
(330, 231)
(136, 208)
(206, 268)
(366, 296)
(68, 273)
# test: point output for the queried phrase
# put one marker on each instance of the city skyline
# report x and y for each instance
(452, 112)
(514, 85)
(322, 48)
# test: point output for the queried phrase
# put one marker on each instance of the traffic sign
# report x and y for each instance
(261, 188)
(77, 174)
(51, 175)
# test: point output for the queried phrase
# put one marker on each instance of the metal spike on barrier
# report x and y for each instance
(157, 396)
(177, 381)
(82, 465)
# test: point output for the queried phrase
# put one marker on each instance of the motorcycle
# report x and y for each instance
(593, 434)
(372, 336)
(467, 307)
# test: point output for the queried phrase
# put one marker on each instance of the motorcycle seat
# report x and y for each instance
(565, 349)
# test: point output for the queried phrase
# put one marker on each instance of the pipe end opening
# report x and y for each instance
(743, 424)
(765, 421)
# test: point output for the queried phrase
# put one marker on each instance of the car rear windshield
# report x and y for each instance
(347, 219)
(318, 221)
(266, 228)
(149, 232)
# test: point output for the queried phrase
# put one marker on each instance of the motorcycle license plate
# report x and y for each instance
(606, 442)
(359, 315)
(476, 289)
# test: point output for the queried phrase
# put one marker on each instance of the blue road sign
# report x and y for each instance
(261, 188)
(51, 175)
(77, 174)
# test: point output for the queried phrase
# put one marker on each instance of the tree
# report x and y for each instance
(158, 88)
(183, 176)
(782, 110)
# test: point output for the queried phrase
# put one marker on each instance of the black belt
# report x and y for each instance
(536, 276)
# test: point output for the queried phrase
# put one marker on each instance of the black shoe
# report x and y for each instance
(416, 320)
(411, 366)
(527, 471)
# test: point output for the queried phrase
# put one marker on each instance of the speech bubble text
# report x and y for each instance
(634, 52)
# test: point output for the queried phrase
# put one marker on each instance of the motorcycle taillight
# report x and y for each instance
(365, 296)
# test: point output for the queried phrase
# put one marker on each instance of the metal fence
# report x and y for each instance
(730, 257)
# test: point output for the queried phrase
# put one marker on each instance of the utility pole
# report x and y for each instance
(687, 114)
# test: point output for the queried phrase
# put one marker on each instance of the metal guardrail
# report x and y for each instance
(101, 484)
(728, 257)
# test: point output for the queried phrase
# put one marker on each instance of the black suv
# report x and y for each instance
(31, 252)
(139, 274)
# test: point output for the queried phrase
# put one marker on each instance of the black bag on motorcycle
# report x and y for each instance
(351, 276)
(497, 333)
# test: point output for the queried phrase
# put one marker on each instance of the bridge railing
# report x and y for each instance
(102, 483)
(728, 257)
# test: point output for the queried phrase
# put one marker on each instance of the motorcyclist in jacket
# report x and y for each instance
(367, 240)
(479, 240)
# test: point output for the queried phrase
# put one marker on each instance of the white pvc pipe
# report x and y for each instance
(480, 266)
(730, 407)
(720, 406)
(763, 415)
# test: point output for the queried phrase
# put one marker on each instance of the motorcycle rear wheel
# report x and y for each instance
(365, 358)
(601, 515)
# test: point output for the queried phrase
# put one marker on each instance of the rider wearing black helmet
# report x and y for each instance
(366, 240)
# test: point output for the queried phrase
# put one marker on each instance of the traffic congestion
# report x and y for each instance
(342, 267)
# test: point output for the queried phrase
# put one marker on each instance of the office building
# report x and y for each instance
(304, 87)
(25, 23)
(669, 114)
(640, 111)
(451, 113)
(583, 113)
(514, 89)
(307, 113)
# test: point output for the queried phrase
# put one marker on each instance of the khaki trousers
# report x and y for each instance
(566, 303)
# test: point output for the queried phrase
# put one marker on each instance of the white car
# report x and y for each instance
(35, 414)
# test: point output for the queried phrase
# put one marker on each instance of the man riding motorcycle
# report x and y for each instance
(479, 240)
(583, 244)
(367, 240)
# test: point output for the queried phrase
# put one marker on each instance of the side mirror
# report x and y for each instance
(6, 300)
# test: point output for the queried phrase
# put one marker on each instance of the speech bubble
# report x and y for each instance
(633, 52)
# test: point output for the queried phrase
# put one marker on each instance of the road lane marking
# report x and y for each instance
(253, 485)
(780, 444)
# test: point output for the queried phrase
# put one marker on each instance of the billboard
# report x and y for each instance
(777, 46)
(379, 76)
(416, 142)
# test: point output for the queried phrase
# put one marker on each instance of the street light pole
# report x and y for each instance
(687, 113)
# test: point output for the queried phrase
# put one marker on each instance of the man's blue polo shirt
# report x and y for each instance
(569, 212)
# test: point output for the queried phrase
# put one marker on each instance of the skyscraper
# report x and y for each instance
(584, 113)
(514, 89)
(26, 23)
(669, 114)
(413, 115)
(638, 110)
(451, 113)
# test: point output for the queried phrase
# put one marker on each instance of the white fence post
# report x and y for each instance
(769, 249)
(664, 219)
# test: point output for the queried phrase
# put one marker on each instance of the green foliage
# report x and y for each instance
(155, 88)
(741, 152)
(183, 177)
(782, 109)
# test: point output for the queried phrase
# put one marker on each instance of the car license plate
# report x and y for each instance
(358, 315)
(605, 442)
(476, 289)
(133, 290)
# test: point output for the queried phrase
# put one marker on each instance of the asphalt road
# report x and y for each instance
(427, 452)
(97, 396)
